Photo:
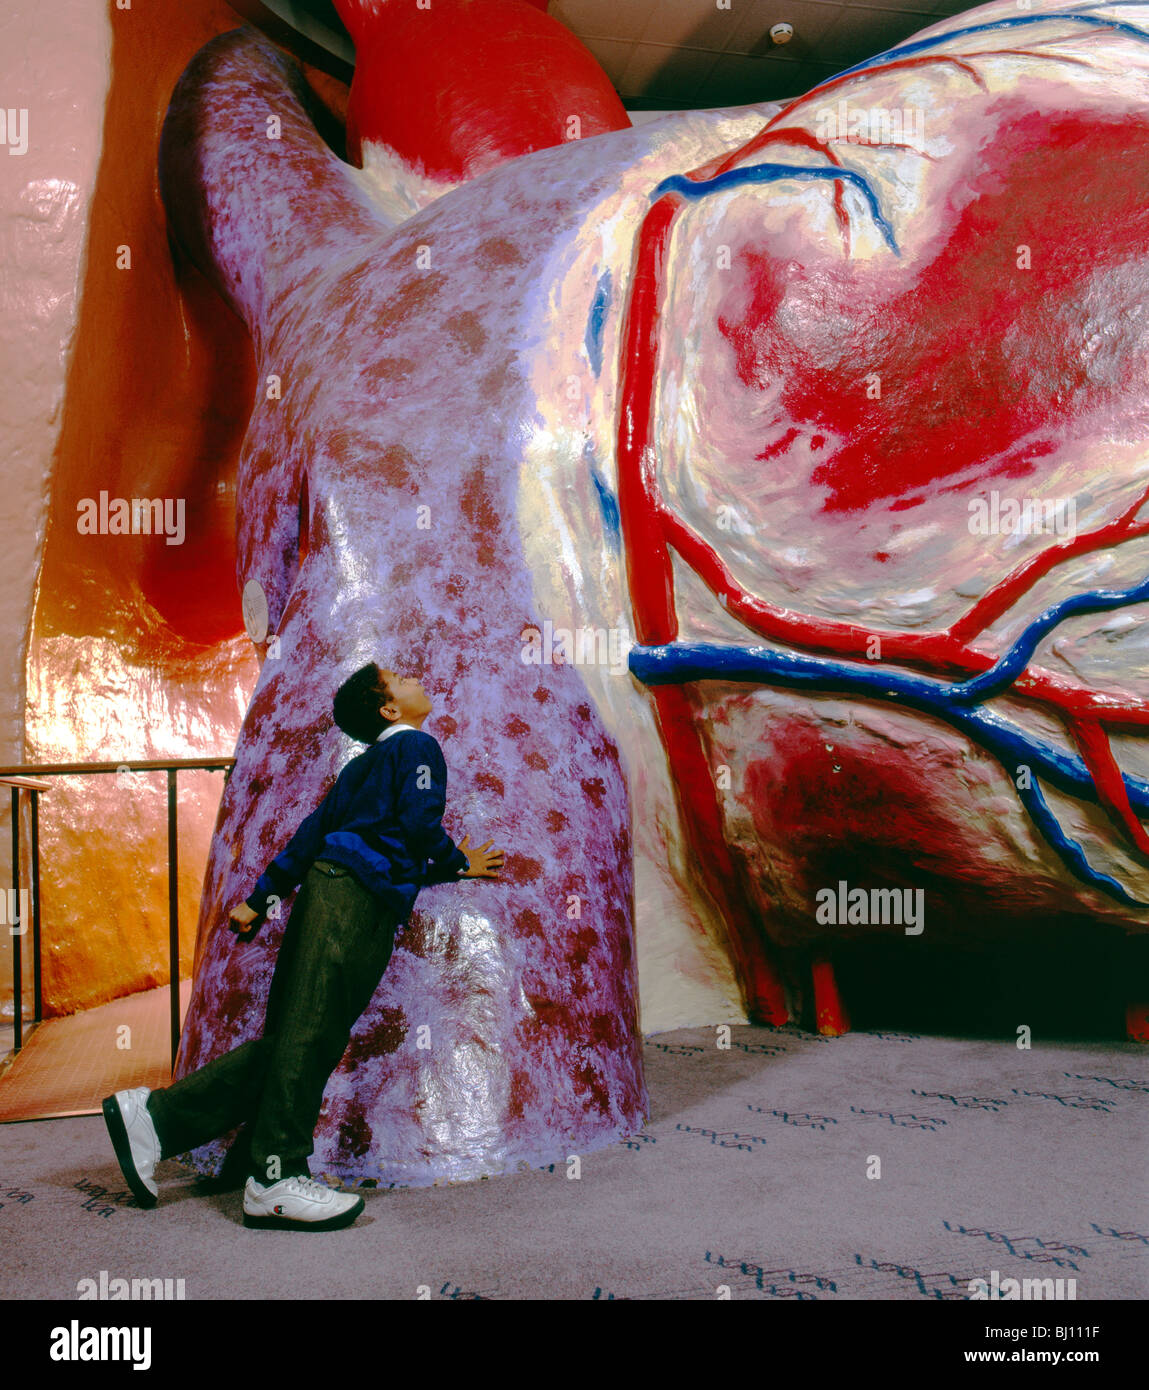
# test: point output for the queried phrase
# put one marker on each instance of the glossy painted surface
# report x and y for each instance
(45, 193)
(932, 335)
(627, 384)
(118, 645)
(456, 87)
(132, 380)
(506, 1027)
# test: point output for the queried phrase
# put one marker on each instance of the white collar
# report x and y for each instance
(394, 729)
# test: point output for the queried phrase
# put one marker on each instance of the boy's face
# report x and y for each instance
(407, 696)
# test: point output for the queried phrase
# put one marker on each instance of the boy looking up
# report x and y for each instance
(361, 856)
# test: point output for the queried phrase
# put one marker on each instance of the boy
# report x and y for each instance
(362, 857)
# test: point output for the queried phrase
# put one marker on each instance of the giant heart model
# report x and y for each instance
(685, 465)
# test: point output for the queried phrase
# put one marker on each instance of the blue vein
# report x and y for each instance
(1070, 851)
(680, 662)
(766, 173)
(769, 173)
(1014, 22)
(1013, 748)
(596, 322)
(1007, 668)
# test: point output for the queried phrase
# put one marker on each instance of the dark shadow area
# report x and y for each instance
(1070, 981)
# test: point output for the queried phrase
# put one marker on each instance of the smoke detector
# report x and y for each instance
(782, 33)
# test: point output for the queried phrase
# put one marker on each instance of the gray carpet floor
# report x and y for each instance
(757, 1174)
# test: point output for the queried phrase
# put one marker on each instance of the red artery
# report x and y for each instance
(650, 529)
(460, 86)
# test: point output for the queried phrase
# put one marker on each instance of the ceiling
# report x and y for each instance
(682, 54)
(688, 53)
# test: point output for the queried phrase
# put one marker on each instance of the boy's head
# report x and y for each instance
(367, 702)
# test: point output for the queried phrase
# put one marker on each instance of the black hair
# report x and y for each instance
(357, 704)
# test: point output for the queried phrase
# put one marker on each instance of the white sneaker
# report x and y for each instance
(134, 1138)
(298, 1204)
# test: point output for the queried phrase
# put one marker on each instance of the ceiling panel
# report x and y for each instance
(664, 73)
(726, 57)
(737, 80)
(614, 19)
(691, 24)
(859, 32)
(613, 54)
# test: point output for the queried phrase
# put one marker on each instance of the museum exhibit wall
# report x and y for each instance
(117, 384)
(761, 395)
(757, 397)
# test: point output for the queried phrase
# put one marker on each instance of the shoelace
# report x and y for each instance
(308, 1187)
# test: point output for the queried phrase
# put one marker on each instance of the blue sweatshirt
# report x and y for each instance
(381, 820)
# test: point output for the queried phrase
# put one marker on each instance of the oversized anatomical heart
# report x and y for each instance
(755, 492)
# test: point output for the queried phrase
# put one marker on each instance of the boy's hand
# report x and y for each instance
(481, 862)
(241, 917)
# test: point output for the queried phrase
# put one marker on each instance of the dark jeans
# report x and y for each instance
(334, 951)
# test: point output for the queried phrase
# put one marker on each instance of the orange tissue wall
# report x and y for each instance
(135, 648)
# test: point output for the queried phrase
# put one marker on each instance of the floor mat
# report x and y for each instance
(68, 1065)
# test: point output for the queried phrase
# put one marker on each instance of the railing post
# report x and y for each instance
(36, 974)
(173, 914)
(22, 774)
(16, 937)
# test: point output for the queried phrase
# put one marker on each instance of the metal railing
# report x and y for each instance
(14, 918)
(26, 778)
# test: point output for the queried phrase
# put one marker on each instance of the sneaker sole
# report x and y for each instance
(287, 1223)
(118, 1133)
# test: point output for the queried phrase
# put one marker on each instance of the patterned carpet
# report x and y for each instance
(876, 1166)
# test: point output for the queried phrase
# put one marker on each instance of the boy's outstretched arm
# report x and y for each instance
(285, 872)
